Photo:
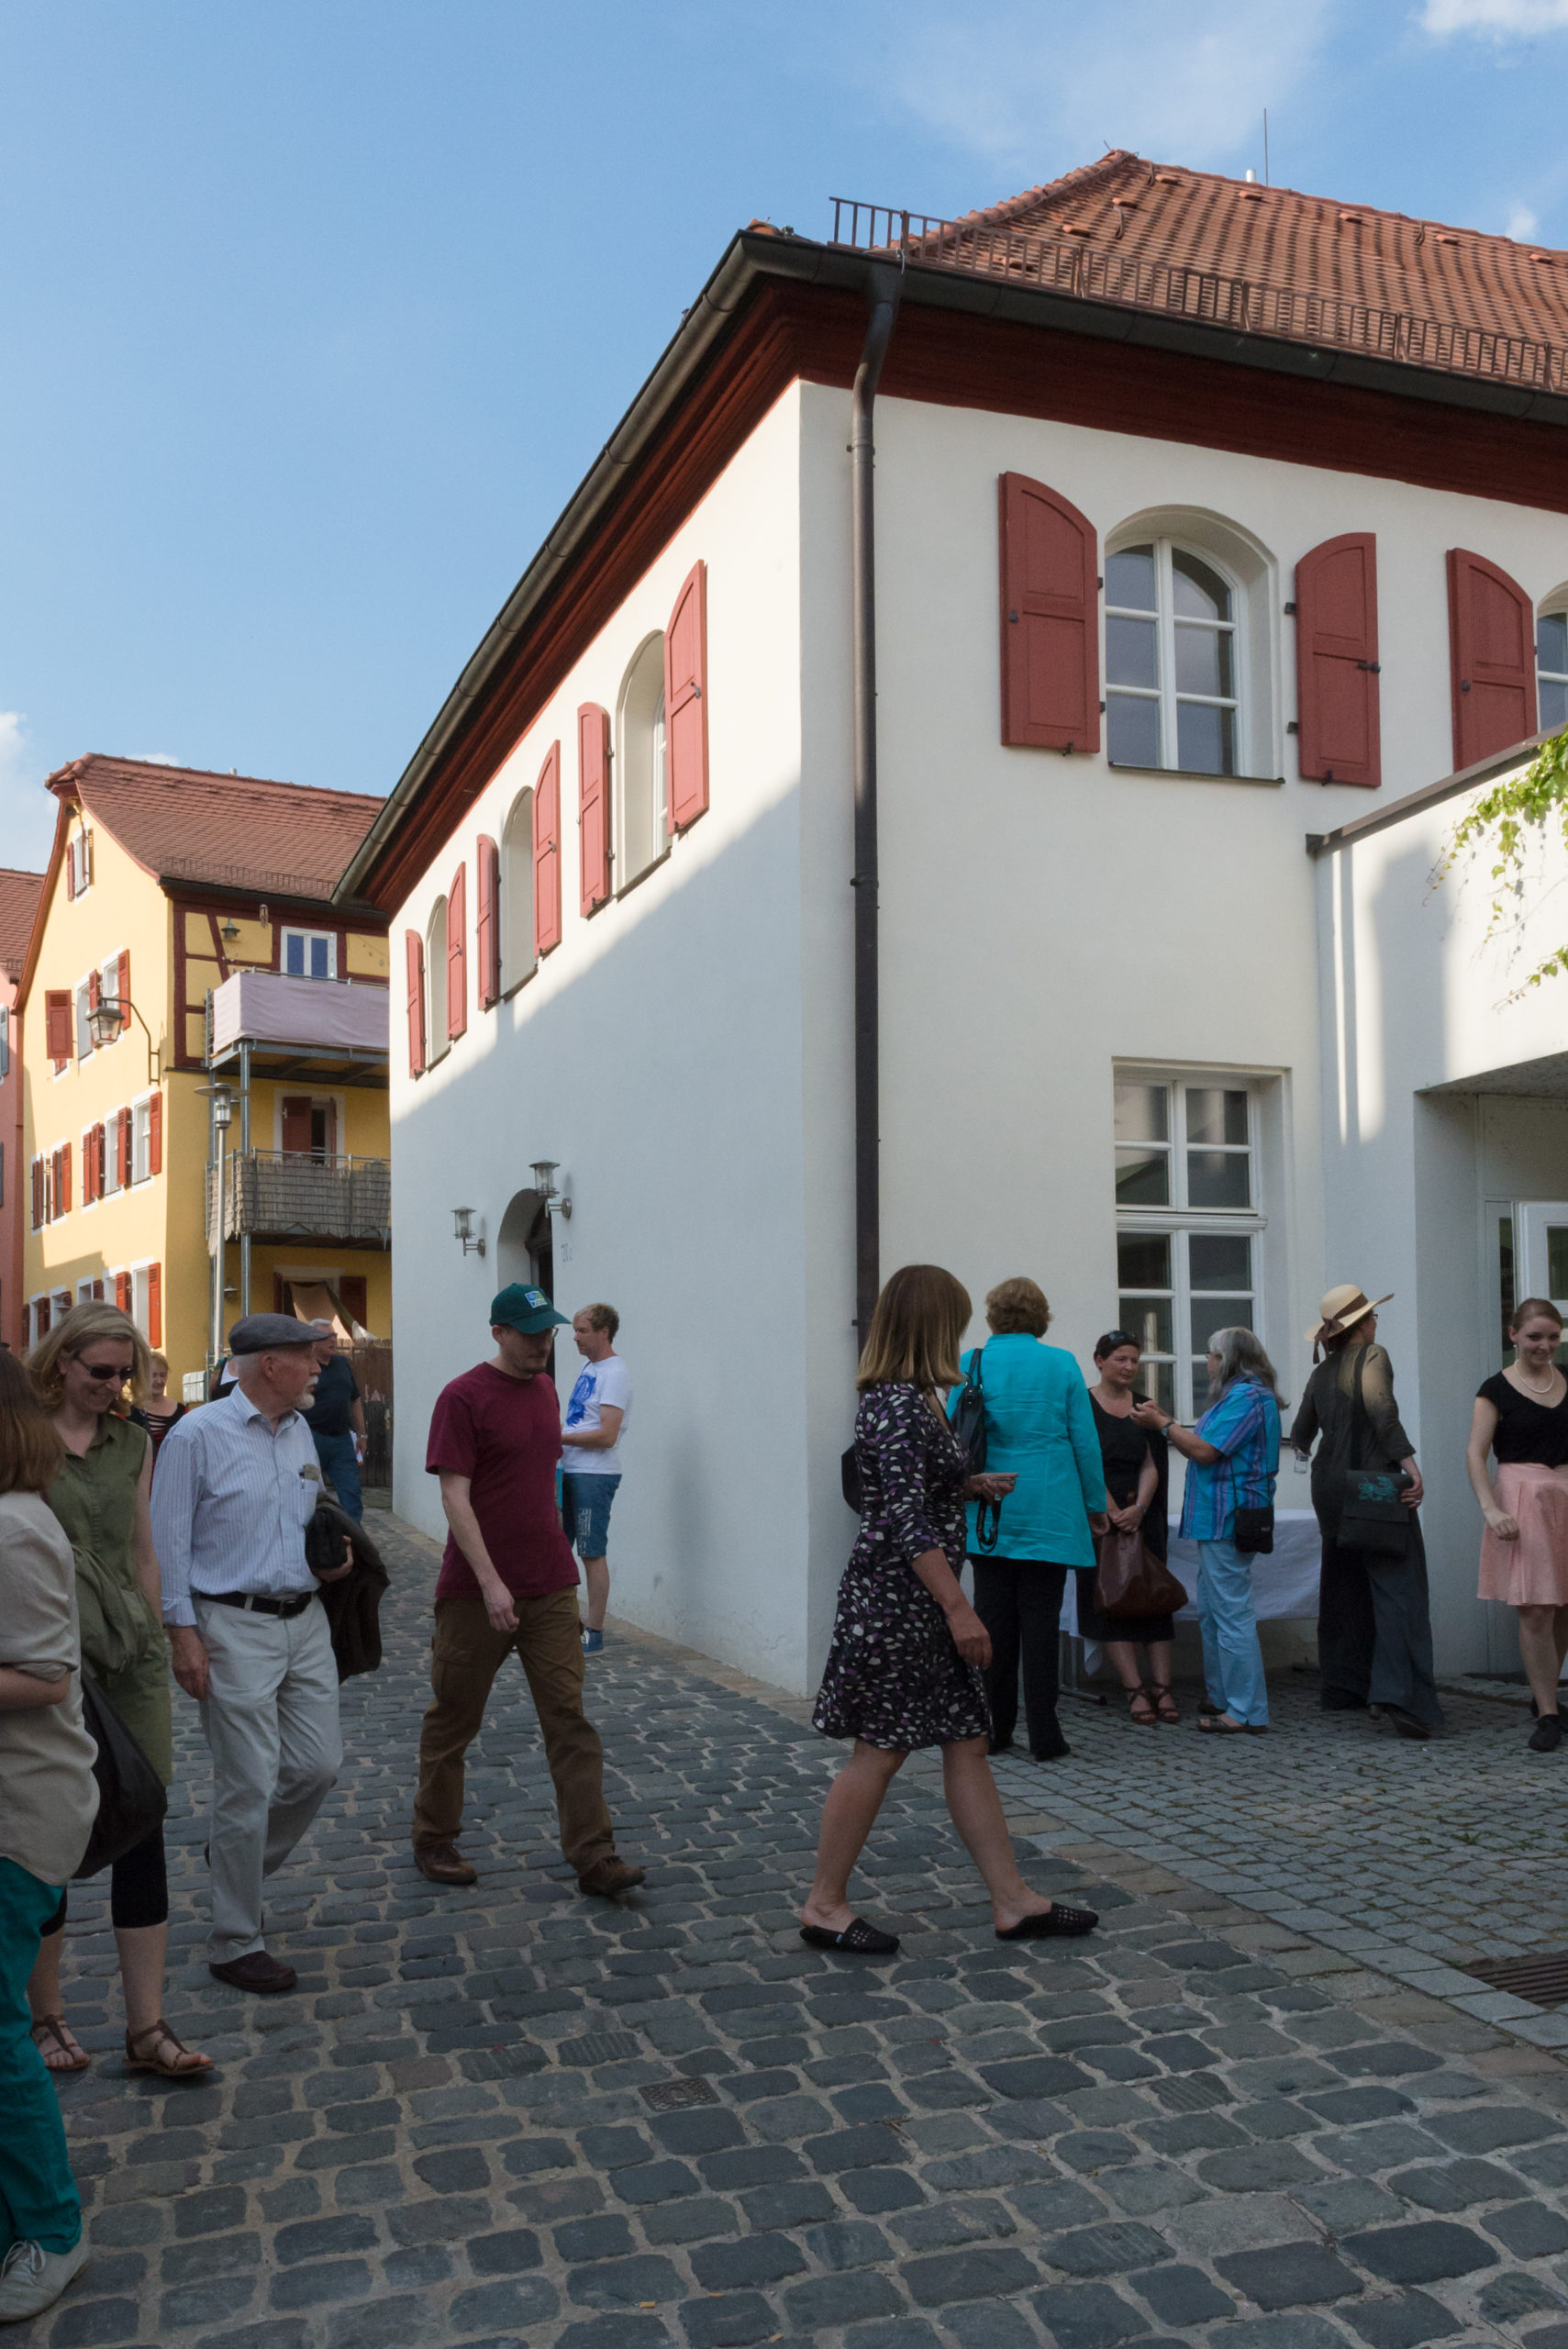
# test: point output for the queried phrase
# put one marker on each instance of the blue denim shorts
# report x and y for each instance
(585, 1507)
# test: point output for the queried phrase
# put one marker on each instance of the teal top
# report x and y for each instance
(1040, 1426)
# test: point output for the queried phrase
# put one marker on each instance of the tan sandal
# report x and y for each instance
(1148, 1718)
(55, 2026)
(1160, 1690)
(159, 2034)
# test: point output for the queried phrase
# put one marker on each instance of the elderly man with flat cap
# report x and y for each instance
(508, 1580)
(237, 1483)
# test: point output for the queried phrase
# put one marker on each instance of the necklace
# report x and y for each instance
(1551, 1381)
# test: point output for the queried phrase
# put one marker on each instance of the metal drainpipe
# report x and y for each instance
(885, 287)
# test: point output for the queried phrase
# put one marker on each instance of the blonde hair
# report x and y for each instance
(915, 1331)
(31, 1453)
(84, 1326)
(1017, 1308)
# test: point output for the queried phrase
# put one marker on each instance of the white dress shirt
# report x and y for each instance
(230, 1502)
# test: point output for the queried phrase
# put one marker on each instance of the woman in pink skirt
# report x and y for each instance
(1521, 1415)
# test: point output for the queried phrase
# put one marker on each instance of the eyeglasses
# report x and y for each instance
(118, 1372)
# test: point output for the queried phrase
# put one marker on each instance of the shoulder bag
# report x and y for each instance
(1372, 1515)
(132, 1800)
(968, 1427)
(1129, 1579)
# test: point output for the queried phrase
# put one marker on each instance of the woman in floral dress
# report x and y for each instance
(906, 1667)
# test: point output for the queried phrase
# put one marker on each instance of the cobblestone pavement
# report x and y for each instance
(511, 2116)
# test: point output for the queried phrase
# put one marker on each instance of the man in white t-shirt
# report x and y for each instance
(590, 1459)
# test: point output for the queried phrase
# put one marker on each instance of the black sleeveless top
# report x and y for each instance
(1527, 1430)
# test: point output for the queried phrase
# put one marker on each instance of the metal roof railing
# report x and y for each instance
(1090, 272)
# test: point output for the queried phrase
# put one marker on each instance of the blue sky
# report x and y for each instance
(316, 310)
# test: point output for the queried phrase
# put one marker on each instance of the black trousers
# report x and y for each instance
(1374, 1635)
(1019, 1602)
(138, 1888)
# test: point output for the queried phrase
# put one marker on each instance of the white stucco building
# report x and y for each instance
(1210, 520)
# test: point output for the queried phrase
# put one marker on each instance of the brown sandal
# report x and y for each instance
(1160, 1690)
(159, 2034)
(1147, 1718)
(55, 2026)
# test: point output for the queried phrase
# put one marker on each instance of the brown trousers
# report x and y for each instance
(465, 1655)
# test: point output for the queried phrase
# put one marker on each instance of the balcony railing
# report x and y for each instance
(294, 1195)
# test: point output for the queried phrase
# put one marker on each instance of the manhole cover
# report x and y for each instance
(502, 2063)
(1191, 2091)
(599, 2047)
(1543, 1979)
(671, 2095)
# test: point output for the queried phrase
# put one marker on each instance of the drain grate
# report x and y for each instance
(674, 2096)
(1543, 1979)
(1191, 2091)
(502, 2063)
(599, 2047)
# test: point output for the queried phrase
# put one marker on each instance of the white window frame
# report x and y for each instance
(328, 938)
(1164, 693)
(60, 1304)
(82, 1005)
(141, 1139)
(141, 1296)
(109, 992)
(113, 1186)
(641, 776)
(515, 893)
(79, 860)
(438, 1035)
(1555, 609)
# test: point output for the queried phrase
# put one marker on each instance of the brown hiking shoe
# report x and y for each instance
(443, 1864)
(607, 1877)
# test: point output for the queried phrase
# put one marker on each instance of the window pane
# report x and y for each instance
(1143, 1113)
(1129, 579)
(1132, 731)
(294, 955)
(1142, 1178)
(1143, 1260)
(1203, 659)
(1130, 655)
(1557, 1260)
(1199, 590)
(1218, 1178)
(1215, 1113)
(1216, 1260)
(1553, 705)
(1552, 642)
(1212, 1313)
(1157, 1379)
(1148, 1319)
(1205, 738)
(1200, 1385)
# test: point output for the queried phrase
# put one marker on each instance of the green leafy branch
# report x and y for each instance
(1509, 817)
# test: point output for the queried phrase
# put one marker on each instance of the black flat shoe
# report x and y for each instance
(857, 1939)
(1406, 1723)
(1057, 1750)
(1049, 1924)
(1000, 1745)
(1547, 1734)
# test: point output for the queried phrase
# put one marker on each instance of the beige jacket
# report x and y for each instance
(49, 1797)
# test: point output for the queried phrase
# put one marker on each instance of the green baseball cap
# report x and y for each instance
(528, 1309)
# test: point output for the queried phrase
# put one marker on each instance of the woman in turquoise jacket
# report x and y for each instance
(1041, 1429)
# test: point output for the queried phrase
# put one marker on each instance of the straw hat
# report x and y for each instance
(1341, 1309)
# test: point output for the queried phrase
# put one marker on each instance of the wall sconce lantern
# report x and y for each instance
(108, 1015)
(229, 931)
(555, 1201)
(463, 1229)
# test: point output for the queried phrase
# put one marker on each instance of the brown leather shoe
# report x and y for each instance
(258, 1972)
(608, 1877)
(443, 1864)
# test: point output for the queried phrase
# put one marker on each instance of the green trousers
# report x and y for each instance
(38, 2201)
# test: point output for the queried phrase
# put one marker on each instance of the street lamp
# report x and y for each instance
(108, 1015)
(463, 1229)
(555, 1201)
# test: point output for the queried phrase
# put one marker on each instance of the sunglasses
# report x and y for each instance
(118, 1372)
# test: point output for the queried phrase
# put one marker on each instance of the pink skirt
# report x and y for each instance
(1532, 1571)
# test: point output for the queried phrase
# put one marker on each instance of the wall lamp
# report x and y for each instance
(555, 1201)
(108, 1016)
(463, 1229)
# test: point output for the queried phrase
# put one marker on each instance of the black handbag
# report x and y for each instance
(132, 1798)
(1372, 1516)
(1253, 1531)
(968, 1423)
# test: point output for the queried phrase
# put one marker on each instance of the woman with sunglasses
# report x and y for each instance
(89, 1370)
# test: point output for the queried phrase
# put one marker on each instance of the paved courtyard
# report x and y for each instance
(509, 2116)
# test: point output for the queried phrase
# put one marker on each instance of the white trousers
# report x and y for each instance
(270, 1720)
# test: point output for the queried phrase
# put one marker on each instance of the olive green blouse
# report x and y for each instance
(123, 1644)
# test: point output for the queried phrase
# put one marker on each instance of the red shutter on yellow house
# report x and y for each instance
(62, 1197)
(36, 1173)
(100, 1161)
(1336, 661)
(122, 988)
(594, 806)
(122, 1147)
(415, 946)
(123, 1291)
(155, 1135)
(1050, 632)
(685, 702)
(155, 1305)
(487, 925)
(457, 953)
(547, 853)
(1492, 650)
(57, 1025)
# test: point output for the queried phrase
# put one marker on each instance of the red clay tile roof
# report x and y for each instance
(19, 902)
(240, 831)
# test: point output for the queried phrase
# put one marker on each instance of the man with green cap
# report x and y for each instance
(508, 1580)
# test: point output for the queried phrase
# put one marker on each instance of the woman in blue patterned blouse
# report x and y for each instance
(1232, 1460)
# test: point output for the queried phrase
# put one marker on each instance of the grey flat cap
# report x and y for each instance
(263, 1333)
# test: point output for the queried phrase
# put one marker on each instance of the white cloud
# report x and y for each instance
(27, 811)
(1522, 222)
(1496, 19)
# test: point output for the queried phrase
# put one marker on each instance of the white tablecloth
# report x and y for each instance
(1285, 1582)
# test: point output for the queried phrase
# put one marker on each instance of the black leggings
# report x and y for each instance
(138, 1889)
(1019, 1602)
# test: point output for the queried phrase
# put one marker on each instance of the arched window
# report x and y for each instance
(1552, 662)
(516, 908)
(1173, 662)
(639, 737)
(438, 1036)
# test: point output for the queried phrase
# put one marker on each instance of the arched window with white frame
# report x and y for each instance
(644, 827)
(518, 957)
(1172, 666)
(1552, 662)
(438, 1036)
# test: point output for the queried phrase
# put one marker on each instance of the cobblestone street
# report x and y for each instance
(509, 2115)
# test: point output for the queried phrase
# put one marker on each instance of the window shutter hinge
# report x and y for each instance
(1373, 668)
(1102, 709)
(1291, 609)
(1013, 616)
(1464, 684)
(1295, 726)
(1099, 582)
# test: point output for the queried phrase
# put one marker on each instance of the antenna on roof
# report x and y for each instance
(1266, 181)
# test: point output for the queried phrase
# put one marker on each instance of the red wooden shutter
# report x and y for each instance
(100, 1160)
(487, 924)
(593, 803)
(685, 703)
(296, 1126)
(57, 1024)
(89, 1169)
(416, 953)
(94, 991)
(352, 1300)
(40, 1317)
(70, 869)
(123, 1147)
(1336, 661)
(36, 1173)
(155, 1135)
(1491, 649)
(547, 853)
(62, 1197)
(123, 1291)
(1050, 633)
(457, 953)
(122, 988)
(155, 1305)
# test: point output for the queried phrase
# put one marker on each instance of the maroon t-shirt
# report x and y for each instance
(504, 1434)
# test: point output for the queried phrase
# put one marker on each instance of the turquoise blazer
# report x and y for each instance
(1040, 1426)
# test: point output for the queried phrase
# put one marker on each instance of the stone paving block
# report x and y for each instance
(1088, 2316)
(828, 2301)
(990, 2324)
(1529, 2230)
(1108, 2249)
(1402, 2322)
(1487, 2128)
(971, 2274)
(1284, 2331)
(1422, 2253)
(1288, 2276)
